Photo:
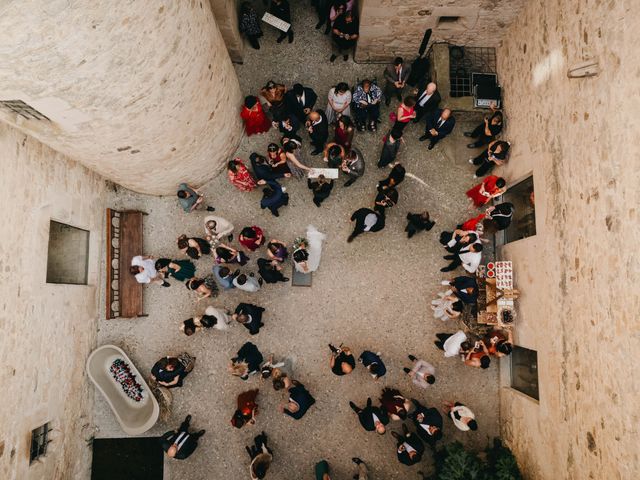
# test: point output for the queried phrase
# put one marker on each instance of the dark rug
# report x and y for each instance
(137, 458)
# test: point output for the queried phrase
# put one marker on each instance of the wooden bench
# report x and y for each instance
(124, 241)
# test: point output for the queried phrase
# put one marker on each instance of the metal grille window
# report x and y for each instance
(39, 442)
(463, 61)
(22, 109)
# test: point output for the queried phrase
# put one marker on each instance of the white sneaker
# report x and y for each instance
(284, 189)
(471, 161)
(475, 176)
(444, 282)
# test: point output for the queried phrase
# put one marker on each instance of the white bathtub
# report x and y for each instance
(134, 417)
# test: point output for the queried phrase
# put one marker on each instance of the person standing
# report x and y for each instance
(270, 271)
(282, 10)
(390, 147)
(321, 188)
(321, 470)
(251, 238)
(367, 220)
(451, 343)
(318, 128)
(224, 276)
(261, 457)
(190, 198)
(170, 372)
(344, 35)
(247, 283)
(463, 418)
(300, 400)
(371, 418)
(487, 131)
(422, 374)
(300, 101)
(353, 166)
(404, 114)
(273, 197)
(468, 256)
(440, 123)
(363, 473)
(294, 163)
(322, 10)
(181, 270)
(428, 423)
(217, 227)
(179, 443)
(273, 94)
(464, 287)
(246, 362)
(426, 101)
(250, 25)
(373, 363)
(255, 120)
(344, 133)
(396, 76)
(409, 448)
(338, 102)
(495, 155)
(446, 306)
(239, 176)
(418, 222)
(491, 187)
(250, 316)
(342, 361)
(395, 178)
(247, 409)
(396, 405)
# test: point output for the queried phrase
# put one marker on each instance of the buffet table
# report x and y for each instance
(496, 295)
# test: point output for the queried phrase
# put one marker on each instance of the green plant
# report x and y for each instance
(501, 463)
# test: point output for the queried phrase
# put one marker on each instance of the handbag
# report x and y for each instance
(187, 360)
(393, 117)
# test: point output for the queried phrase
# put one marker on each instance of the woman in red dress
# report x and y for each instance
(491, 187)
(247, 409)
(251, 238)
(239, 176)
(278, 160)
(344, 133)
(255, 120)
(406, 112)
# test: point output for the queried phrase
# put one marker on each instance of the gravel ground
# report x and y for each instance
(371, 294)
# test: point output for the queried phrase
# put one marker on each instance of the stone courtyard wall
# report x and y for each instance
(47, 330)
(389, 28)
(580, 275)
(143, 93)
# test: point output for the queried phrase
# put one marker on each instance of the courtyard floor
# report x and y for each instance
(371, 294)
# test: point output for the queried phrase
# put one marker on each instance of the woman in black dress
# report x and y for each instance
(193, 247)
(181, 270)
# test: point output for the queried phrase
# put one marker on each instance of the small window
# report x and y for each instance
(448, 20)
(22, 109)
(523, 224)
(39, 442)
(524, 371)
(68, 254)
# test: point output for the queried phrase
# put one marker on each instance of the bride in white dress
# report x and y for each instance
(307, 250)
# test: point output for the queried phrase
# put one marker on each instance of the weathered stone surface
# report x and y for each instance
(226, 15)
(579, 275)
(47, 330)
(144, 95)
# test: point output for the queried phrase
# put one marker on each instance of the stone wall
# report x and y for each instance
(389, 28)
(147, 97)
(579, 275)
(47, 330)
(226, 15)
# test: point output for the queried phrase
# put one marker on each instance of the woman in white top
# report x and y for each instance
(308, 251)
(451, 343)
(217, 227)
(446, 306)
(339, 102)
(462, 416)
(248, 283)
(422, 374)
(144, 268)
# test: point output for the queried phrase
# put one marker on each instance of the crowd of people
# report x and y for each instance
(294, 111)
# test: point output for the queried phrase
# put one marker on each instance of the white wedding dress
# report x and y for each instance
(314, 239)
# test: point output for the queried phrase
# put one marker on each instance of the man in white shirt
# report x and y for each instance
(426, 101)
(247, 283)
(451, 343)
(144, 269)
(469, 257)
(367, 220)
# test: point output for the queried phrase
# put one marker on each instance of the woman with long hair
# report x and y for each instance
(240, 176)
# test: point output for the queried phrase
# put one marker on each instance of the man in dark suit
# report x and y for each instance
(410, 447)
(367, 220)
(318, 128)
(300, 400)
(427, 100)
(250, 316)
(282, 10)
(270, 271)
(440, 123)
(396, 76)
(180, 443)
(428, 422)
(371, 418)
(300, 101)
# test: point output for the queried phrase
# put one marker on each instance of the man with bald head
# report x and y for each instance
(440, 123)
(318, 128)
(372, 419)
(428, 99)
(180, 443)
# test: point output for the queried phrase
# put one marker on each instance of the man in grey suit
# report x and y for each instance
(353, 166)
(396, 76)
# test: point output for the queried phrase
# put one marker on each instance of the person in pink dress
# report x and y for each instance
(255, 120)
(406, 112)
(239, 176)
(491, 187)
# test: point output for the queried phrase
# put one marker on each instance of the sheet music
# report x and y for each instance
(276, 22)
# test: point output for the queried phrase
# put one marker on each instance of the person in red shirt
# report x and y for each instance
(247, 409)
(251, 238)
(255, 120)
(491, 187)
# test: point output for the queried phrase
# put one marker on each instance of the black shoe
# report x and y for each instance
(350, 182)
(431, 145)
(472, 145)
(423, 138)
(199, 433)
(291, 38)
(275, 214)
(327, 30)
(361, 127)
(280, 39)
(332, 58)
(230, 237)
(468, 134)
(319, 25)
(316, 203)
(166, 284)
(260, 281)
(286, 279)
(333, 349)
(412, 358)
(353, 406)
(356, 460)
(345, 57)
(400, 98)
(316, 152)
(350, 239)
(188, 419)
(406, 370)
(447, 269)
(211, 209)
(387, 102)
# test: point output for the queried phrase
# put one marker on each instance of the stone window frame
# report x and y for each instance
(85, 282)
(23, 109)
(39, 442)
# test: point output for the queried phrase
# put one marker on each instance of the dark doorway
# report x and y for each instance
(127, 459)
